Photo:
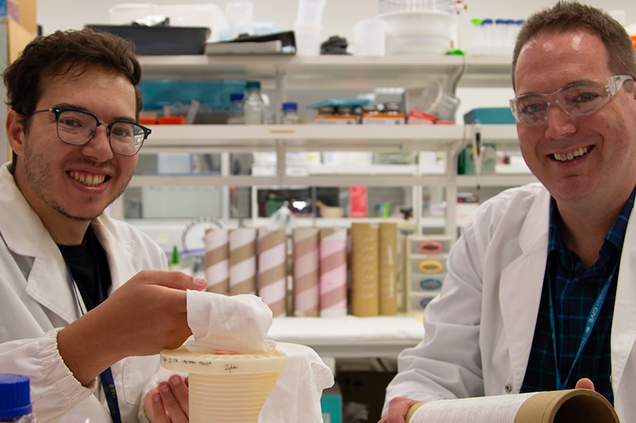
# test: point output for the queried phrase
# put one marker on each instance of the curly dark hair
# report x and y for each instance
(566, 16)
(58, 54)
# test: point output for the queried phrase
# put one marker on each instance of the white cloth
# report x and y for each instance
(296, 395)
(478, 332)
(228, 323)
(35, 298)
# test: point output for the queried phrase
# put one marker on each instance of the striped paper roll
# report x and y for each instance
(217, 260)
(243, 261)
(306, 275)
(333, 272)
(388, 269)
(272, 270)
(365, 290)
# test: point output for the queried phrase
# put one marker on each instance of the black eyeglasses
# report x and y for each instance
(77, 127)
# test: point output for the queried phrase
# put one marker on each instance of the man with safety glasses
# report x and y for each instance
(79, 315)
(541, 292)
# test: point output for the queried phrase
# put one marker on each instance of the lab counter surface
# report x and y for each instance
(350, 336)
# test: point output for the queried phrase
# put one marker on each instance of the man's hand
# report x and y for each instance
(584, 383)
(145, 315)
(168, 402)
(398, 408)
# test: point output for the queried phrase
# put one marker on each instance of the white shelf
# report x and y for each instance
(350, 336)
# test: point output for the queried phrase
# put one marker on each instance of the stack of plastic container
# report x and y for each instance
(308, 27)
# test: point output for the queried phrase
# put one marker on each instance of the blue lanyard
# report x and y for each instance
(106, 377)
(589, 325)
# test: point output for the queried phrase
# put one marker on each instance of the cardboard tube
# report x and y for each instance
(365, 290)
(216, 261)
(333, 272)
(306, 273)
(272, 270)
(388, 268)
(243, 261)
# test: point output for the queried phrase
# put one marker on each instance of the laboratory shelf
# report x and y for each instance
(333, 71)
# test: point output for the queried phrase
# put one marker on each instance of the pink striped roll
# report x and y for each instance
(243, 261)
(272, 270)
(306, 274)
(217, 260)
(333, 272)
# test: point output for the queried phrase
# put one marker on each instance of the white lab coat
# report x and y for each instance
(35, 298)
(479, 331)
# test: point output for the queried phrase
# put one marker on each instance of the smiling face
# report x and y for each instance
(64, 182)
(581, 160)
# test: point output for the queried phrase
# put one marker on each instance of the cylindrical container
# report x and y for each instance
(333, 272)
(272, 270)
(217, 260)
(306, 273)
(237, 116)
(243, 261)
(365, 288)
(290, 113)
(226, 387)
(369, 37)
(307, 39)
(254, 108)
(310, 12)
(388, 269)
(240, 14)
(15, 399)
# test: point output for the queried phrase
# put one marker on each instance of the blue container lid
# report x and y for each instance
(253, 84)
(486, 22)
(500, 21)
(236, 97)
(15, 396)
(290, 105)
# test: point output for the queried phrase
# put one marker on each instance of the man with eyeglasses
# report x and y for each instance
(79, 315)
(541, 288)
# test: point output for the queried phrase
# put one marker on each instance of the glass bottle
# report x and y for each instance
(290, 113)
(236, 110)
(15, 399)
(254, 107)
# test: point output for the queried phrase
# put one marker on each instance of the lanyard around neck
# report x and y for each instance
(106, 377)
(589, 325)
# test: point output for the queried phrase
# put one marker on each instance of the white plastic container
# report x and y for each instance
(240, 14)
(307, 39)
(369, 37)
(418, 32)
(310, 12)
(226, 387)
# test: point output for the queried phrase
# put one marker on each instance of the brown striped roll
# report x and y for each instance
(217, 260)
(388, 268)
(272, 270)
(333, 272)
(365, 288)
(306, 274)
(243, 261)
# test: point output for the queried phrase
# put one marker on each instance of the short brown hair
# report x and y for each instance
(57, 54)
(566, 16)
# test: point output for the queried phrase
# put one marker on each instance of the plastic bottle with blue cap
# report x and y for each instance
(15, 399)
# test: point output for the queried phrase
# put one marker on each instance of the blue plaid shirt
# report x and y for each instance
(574, 290)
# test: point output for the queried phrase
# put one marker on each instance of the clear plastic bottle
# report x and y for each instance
(290, 113)
(254, 107)
(15, 399)
(236, 110)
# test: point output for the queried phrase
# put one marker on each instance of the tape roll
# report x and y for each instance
(431, 266)
(431, 247)
(430, 284)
